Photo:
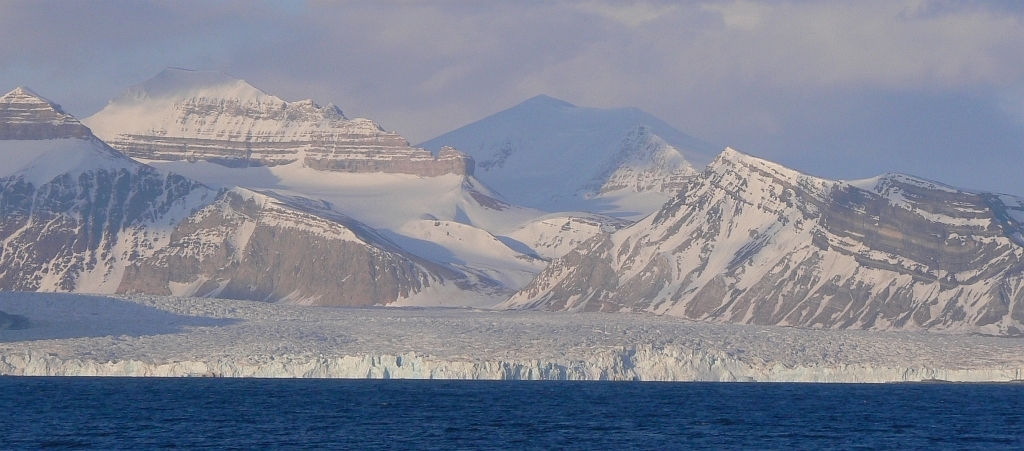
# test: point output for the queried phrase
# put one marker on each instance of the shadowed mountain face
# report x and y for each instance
(749, 241)
(78, 216)
(13, 322)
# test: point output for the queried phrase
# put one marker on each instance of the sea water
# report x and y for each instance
(151, 413)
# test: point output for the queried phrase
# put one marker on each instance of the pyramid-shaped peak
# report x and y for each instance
(544, 100)
(733, 155)
(25, 115)
(24, 95)
(731, 158)
(20, 92)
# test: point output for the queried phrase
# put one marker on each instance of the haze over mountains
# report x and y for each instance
(236, 193)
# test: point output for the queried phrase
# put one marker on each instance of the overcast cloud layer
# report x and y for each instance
(836, 89)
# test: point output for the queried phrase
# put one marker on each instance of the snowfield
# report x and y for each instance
(168, 336)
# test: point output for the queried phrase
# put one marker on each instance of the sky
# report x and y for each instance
(843, 90)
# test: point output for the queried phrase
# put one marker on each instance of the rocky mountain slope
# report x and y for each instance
(209, 116)
(749, 241)
(548, 154)
(79, 216)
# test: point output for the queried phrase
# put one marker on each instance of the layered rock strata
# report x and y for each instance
(24, 116)
(208, 116)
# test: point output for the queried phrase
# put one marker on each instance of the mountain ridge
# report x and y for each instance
(751, 241)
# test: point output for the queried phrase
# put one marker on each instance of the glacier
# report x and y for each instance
(95, 335)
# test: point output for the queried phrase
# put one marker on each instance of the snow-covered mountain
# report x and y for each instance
(203, 115)
(548, 154)
(77, 215)
(429, 206)
(749, 241)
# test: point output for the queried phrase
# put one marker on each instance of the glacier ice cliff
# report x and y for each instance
(632, 364)
(79, 335)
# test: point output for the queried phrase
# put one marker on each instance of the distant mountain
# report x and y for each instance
(79, 216)
(549, 154)
(749, 241)
(208, 116)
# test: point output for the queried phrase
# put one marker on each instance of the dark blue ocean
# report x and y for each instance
(128, 413)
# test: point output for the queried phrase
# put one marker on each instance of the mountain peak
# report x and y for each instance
(730, 154)
(24, 95)
(25, 115)
(546, 101)
(548, 154)
(731, 157)
(22, 91)
(174, 82)
(187, 104)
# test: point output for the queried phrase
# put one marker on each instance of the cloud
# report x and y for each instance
(799, 81)
(632, 14)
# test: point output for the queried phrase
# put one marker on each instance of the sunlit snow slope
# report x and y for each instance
(548, 154)
(749, 241)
